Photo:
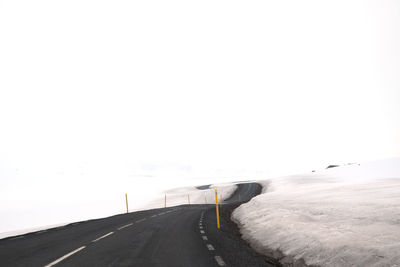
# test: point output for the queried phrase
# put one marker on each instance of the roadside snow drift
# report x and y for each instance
(182, 195)
(345, 216)
(177, 196)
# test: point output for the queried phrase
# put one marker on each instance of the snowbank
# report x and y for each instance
(345, 216)
(155, 199)
(179, 196)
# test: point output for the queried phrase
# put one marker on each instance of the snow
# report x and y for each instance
(35, 218)
(179, 196)
(345, 216)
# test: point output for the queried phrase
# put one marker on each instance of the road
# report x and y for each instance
(177, 236)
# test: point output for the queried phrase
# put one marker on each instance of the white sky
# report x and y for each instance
(125, 88)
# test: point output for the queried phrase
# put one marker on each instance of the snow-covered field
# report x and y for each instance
(345, 216)
(153, 197)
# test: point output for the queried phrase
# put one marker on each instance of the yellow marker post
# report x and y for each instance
(239, 196)
(216, 206)
(165, 201)
(126, 200)
(188, 199)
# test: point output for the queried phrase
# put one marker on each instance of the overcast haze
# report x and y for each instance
(94, 93)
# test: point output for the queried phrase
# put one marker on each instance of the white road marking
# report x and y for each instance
(41, 232)
(122, 227)
(202, 232)
(201, 227)
(220, 261)
(155, 215)
(204, 237)
(210, 247)
(101, 237)
(141, 220)
(18, 237)
(64, 257)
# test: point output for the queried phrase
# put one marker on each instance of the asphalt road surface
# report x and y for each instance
(178, 236)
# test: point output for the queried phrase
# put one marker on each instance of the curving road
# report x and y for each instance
(177, 236)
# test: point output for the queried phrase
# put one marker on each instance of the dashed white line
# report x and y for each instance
(204, 237)
(220, 261)
(202, 232)
(155, 215)
(65, 256)
(122, 227)
(141, 220)
(101, 237)
(41, 232)
(201, 227)
(210, 247)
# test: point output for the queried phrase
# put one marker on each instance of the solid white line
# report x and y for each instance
(18, 237)
(64, 257)
(141, 220)
(122, 227)
(220, 261)
(204, 237)
(210, 247)
(201, 231)
(101, 237)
